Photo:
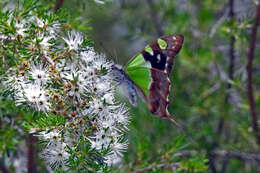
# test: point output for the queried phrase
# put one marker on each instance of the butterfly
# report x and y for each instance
(147, 74)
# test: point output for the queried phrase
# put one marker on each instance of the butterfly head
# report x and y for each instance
(118, 73)
(127, 87)
(117, 67)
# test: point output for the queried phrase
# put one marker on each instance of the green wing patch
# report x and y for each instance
(162, 44)
(141, 76)
(137, 61)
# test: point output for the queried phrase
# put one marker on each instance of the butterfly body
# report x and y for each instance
(148, 72)
(126, 84)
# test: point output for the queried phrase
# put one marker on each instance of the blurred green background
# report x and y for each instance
(209, 79)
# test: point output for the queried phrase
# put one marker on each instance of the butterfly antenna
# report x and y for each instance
(115, 52)
(105, 50)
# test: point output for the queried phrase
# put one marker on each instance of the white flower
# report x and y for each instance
(34, 95)
(98, 64)
(52, 137)
(2, 37)
(109, 98)
(112, 159)
(55, 155)
(101, 140)
(97, 105)
(14, 81)
(88, 56)
(44, 41)
(121, 115)
(106, 121)
(39, 22)
(74, 40)
(119, 147)
(53, 29)
(20, 28)
(78, 78)
(102, 86)
(39, 73)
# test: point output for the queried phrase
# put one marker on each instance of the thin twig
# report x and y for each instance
(219, 22)
(231, 49)
(221, 122)
(223, 153)
(61, 56)
(224, 165)
(3, 168)
(31, 165)
(250, 91)
(237, 154)
(231, 63)
(212, 163)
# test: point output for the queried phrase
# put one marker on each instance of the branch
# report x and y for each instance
(231, 49)
(61, 56)
(224, 165)
(173, 166)
(231, 63)
(238, 155)
(250, 91)
(3, 168)
(226, 155)
(59, 4)
(222, 153)
(31, 165)
(212, 163)
(219, 22)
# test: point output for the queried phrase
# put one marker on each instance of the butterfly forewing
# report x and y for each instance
(159, 54)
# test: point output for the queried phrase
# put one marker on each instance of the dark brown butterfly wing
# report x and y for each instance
(161, 61)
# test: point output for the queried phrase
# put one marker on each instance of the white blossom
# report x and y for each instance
(34, 95)
(109, 98)
(74, 40)
(78, 85)
(88, 56)
(112, 159)
(44, 41)
(38, 21)
(53, 136)
(20, 28)
(39, 73)
(118, 147)
(56, 154)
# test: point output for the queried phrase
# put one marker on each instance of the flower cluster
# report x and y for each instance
(63, 77)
